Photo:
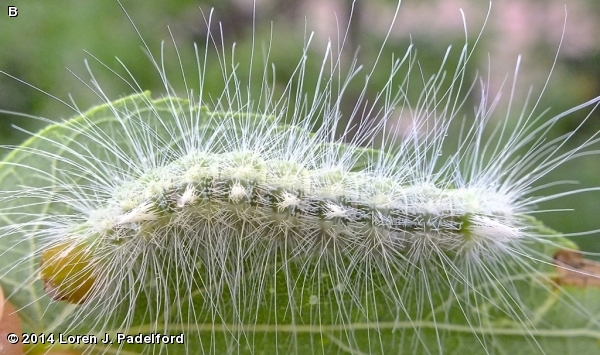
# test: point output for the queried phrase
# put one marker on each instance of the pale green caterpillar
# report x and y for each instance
(303, 203)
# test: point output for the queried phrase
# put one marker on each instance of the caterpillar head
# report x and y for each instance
(67, 270)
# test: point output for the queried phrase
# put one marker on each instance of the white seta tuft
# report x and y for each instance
(251, 212)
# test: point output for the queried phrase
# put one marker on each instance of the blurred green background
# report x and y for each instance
(48, 37)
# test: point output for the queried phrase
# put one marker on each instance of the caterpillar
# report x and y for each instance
(273, 222)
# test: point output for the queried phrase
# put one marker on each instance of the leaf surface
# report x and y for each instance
(319, 312)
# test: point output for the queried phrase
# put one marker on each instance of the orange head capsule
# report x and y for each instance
(67, 271)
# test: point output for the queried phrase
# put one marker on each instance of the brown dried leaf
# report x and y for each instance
(574, 270)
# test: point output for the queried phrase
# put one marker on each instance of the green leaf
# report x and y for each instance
(524, 313)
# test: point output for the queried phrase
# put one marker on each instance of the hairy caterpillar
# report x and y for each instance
(242, 220)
